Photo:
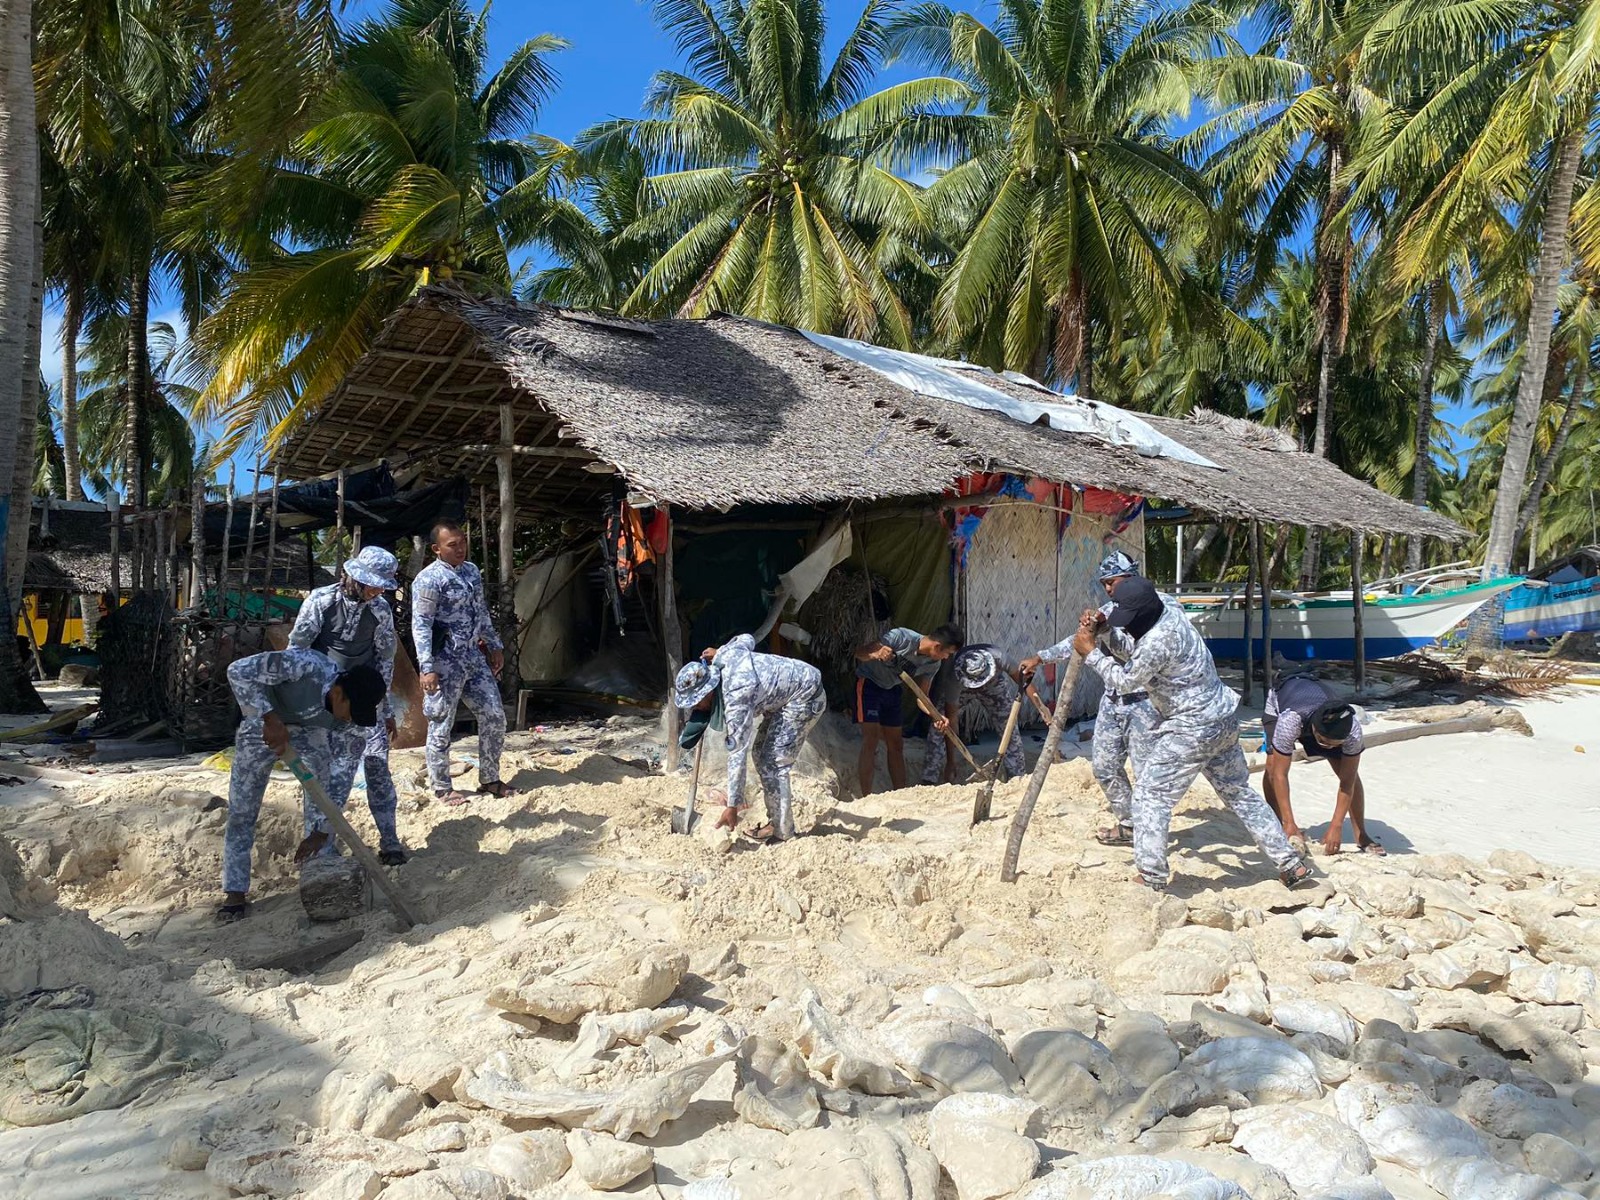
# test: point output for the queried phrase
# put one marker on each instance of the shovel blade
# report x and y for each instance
(684, 820)
(980, 806)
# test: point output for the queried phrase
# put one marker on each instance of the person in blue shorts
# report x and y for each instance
(878, 704)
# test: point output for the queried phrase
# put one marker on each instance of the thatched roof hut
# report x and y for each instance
(704, 416)
(69, 547)
(728, 411)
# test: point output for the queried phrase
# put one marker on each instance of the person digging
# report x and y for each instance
(297, 698)
(1301, 712)
(760, 701)
(880, 693)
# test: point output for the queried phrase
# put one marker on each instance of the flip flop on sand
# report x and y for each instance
(498, 789)
(1373, 847)
(1115, 835)
(452, 798)
(766, 835)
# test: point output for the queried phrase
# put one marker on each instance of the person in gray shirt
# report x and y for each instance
(879, 693)
(1302, 713)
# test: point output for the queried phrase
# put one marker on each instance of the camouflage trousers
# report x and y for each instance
(247, 784)
(472, 681)
(994, 699)
(1172, 759)
(368, 751)
(778, 743)
(1120, 730)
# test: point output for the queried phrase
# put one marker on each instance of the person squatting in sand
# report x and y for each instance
(980, 677)
(1196, 731)
(351, 622)
(733, 689)
(1302, 712)
(880, 694)
(297, 698)
(1123, 720)
(459, 657)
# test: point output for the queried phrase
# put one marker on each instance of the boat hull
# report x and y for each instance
(1548, 612)
(1323, 628)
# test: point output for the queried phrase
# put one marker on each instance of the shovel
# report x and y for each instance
(364, 856)
(686, 818)
(980, 806)
(933, 715)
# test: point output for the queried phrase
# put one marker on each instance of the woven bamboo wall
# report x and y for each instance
(1024, 588)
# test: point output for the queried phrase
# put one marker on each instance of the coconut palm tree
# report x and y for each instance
(1070, 210)
(412, 166)
(773, 177)
(169, 446)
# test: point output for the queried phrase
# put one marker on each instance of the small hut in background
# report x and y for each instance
(697, 478)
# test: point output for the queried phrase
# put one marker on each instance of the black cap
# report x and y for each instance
(1333, 721)
(1136, 606)
(364, 688)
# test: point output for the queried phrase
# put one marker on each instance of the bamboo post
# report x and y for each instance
(483, 525)
(1041, 768)
(508, 536)
(114, 506)
(1264, 572)
(338, 515)
(172, 555)
(311, 564)
(272, 545)
(250, 532)
(671, 644)
(227, 541)
(1249, 613)
(197, 534)
(1357, 604)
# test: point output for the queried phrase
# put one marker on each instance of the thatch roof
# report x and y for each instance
(728, 411)
(74, 553)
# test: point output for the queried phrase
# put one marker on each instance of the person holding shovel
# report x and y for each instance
(879, 664)
(1196, 731)
(459, 657)
(289, 698)
(1302, 713)
(978, 676)
(763, 701)
(351, 622)
(1123, 720)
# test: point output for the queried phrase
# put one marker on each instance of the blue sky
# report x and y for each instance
(615, 47)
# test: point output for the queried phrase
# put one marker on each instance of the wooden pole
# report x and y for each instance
(338, 516)
(671, 643)
(197, 534)
(508, 536)
(172, 555)
(227, 541)
(272, 543)
(1357, 604)
(1249, 613)
(926, 705)
(250, 533)
(483, 526)
(311, 564)
(1264, 573)
(1041, 768)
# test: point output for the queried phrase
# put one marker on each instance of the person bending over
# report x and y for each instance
(879, 693)
(1301, 712)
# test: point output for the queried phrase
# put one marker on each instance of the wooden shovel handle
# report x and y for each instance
(926, 705)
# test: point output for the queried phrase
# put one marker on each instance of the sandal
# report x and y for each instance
(1138, 877)
(452, 798)
(234, 908)
(392, 858)
(1295, 876)
(1373, 847)
(498, 789)
(1115, 835)
(766, 835)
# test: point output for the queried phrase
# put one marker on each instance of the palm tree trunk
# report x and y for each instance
(1332, 249)
(20, 274)
(1193, 554)
(1530, 388)
(1530, 506)
(134, 434)
(71, 322)
(1422, 470)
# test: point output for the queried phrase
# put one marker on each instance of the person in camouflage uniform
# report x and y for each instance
(351, 622)
(763, 701)
(1123, 721)
(1196, 731)
(459, 657)
(289, 698)
(975, 676)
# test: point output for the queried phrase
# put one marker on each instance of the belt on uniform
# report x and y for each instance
(1130, 698)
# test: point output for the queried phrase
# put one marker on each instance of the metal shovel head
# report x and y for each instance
(684, 820)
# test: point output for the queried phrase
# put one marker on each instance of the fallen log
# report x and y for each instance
(1479, 723)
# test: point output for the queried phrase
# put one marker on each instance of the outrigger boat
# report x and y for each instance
(1399, 615)
(1560, 597)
